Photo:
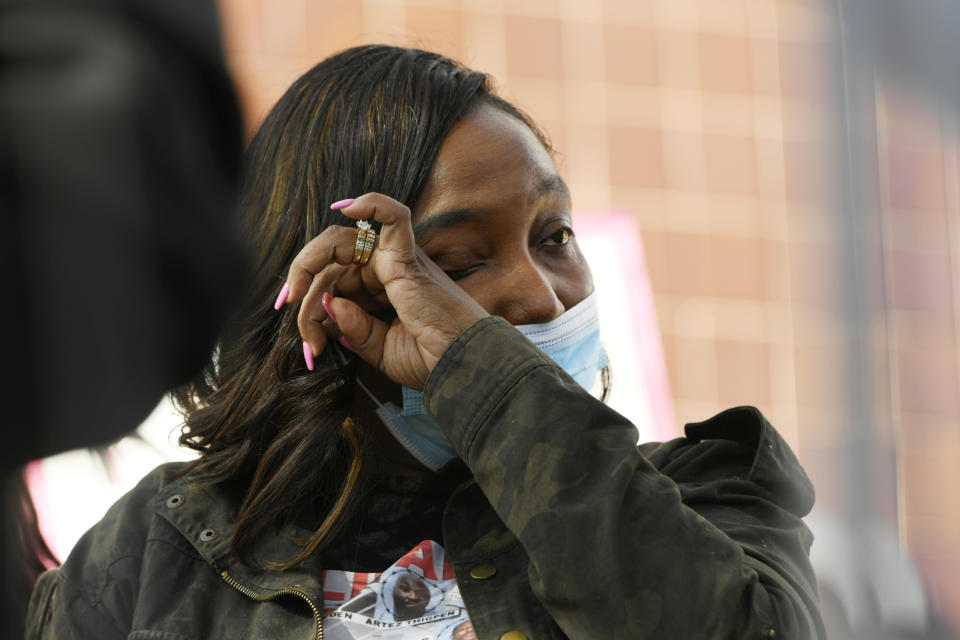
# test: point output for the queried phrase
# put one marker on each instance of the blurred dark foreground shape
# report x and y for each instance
(870, 589)
(120, 141)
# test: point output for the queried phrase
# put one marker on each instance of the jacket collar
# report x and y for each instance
(774, 465)
(203, 515)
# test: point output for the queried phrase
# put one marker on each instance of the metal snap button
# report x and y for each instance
(175, 500)
(483, 572)
(513, 635)
(208, 534)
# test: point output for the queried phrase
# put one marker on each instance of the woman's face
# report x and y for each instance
(495, 215)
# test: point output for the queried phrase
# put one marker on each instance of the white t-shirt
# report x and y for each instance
(417, 598)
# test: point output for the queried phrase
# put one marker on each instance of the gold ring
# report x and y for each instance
(367, 249)
(366, 238)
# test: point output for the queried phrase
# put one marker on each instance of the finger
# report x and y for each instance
(332, 278)
(396, 233)
(361, 332)
(349, 281)
(335, 244)
(313, 318)
(314, 308)
(360, 285)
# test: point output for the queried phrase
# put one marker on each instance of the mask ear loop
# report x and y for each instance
(606, 383)
(339, 354)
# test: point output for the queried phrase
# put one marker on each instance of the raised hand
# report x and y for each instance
(431, 310)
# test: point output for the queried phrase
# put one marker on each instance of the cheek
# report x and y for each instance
(482, 288)
(571, 282)
(574, 283)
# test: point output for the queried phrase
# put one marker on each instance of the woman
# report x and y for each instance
(387, 421)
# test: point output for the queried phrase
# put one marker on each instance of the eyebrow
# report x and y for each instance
(447, 219)
(550, 185)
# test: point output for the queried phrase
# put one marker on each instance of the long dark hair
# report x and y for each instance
(371, 118)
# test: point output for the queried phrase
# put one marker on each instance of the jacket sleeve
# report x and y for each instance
(697, 538)
(92, 596)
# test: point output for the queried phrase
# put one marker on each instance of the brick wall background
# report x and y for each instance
(710, 122)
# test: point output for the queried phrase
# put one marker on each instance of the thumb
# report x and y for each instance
(361, 333)
(387, 347)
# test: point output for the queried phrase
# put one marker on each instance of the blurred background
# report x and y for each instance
(769, 192)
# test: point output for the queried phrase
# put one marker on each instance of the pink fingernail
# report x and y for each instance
(344, 342)
(342, 204)
(308, 355)
(325, 301)
(282, 297)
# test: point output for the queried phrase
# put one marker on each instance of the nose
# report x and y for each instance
(526, 295)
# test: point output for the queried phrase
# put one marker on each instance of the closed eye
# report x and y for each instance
(456, 274)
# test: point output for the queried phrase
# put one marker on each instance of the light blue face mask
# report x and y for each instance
(572, 340)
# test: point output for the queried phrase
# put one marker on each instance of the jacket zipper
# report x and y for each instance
(317, 617)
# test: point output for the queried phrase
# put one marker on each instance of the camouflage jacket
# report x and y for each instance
(579, 533)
